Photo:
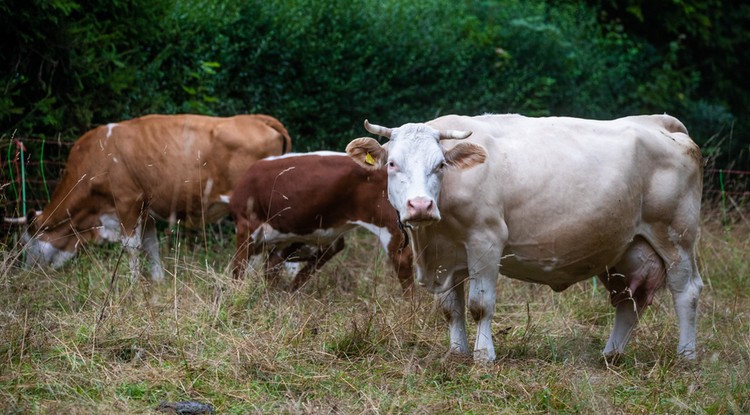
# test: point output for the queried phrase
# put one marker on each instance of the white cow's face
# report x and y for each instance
(416, 162)
(415, 167)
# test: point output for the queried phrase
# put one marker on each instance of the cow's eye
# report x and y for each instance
(440, 166)
(392, 165)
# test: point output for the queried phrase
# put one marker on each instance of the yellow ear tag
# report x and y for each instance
(369, 159)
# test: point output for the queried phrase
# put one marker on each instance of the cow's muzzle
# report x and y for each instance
(421, 211)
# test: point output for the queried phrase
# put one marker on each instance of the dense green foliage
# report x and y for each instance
(323, 67)
(708, 50)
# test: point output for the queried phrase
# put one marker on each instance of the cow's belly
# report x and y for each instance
(561, 246)
(558, 279)
(268, 235)
(560, 268)
(195, 218)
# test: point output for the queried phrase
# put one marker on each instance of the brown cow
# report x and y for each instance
(299, 206)
(120, 176)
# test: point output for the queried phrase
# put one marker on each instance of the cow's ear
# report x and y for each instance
(465, 155)
(367, 152)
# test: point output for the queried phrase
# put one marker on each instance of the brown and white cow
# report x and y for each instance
(120, 176)
(547, 200)
(297, 207)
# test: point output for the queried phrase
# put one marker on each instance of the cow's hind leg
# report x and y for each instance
(627, 313)
(685, 283)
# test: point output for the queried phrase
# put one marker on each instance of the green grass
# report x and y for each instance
(348, 342)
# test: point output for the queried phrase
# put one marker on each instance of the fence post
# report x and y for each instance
(41, 169)
(10, 168)
(23, 179)
(723, 197)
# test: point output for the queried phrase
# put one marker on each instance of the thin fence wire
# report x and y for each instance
(29, 171)
(730, 190)
(730, 182)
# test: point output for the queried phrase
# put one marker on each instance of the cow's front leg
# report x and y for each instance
(453, 305)
(133, 216)
(242, 249)
(482, 307)
(151, 249)
(483, 271)
(273, 269)
(316, 263)
(132, 240)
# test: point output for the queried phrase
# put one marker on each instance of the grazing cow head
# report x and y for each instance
(416, 162)
(54, 245)
(40, 248)
(40, 251)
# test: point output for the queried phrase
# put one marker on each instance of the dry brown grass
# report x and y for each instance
(348, 342)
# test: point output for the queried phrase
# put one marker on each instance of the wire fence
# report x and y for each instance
(31, 168)
(29, 171)
(729, 190)
(728, 182)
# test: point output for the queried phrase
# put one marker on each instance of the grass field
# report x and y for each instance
(72, 343)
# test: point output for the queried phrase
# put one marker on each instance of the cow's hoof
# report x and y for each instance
(612, 358)
(688, 354)
(482, 356)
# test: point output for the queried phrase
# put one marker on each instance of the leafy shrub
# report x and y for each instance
(323, 67)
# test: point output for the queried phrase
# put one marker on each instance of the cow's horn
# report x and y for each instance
(17, 221)
(454, 134)
(378, 129)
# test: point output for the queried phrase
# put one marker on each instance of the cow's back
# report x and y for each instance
(305, 192)
(245, 139)
(183, 164)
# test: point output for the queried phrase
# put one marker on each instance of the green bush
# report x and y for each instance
(323, 67)
(69, 65)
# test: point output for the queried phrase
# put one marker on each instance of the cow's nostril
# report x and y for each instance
(420, 204)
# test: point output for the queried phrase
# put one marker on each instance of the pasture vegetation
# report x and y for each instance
(84, 339)
(349, 343)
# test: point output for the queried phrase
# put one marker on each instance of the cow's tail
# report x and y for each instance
(286, 144)
(679, 133)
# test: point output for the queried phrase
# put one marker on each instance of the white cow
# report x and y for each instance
(547, 200)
